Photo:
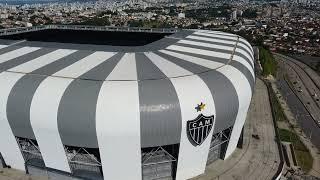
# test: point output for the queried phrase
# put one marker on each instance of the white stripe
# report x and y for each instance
(242, 86)
(234, 38)
(44, 111)
(124, 70)
(118, 130)
(245, 63)
(246, 55)
(42, 61)
(246, 47)
(87, 63)
(16, 53)
(43, 118)
(246, 42)
(112, 123)
(5, 79)
(201, 30)
(209, 45)
(169, 68)
(226, 56)
(220, 41)
(9, 147)
(220, 33)
(211, 39)
(196, 60)
(3, 46)
(219, 47)
(191, 90)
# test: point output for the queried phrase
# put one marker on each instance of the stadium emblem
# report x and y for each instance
(199, 129)
(200, 107)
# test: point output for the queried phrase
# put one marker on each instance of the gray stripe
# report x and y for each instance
(215, 59)
(216, 43)
(9, 48)
(19, 102)
(7, 41)
(20, 98)
(245, 72)
(100, 72)
(78, 106)
(220, 50)
(221, 44)
(62, 63)
(190, 66)
(225, 98)
(23, 59)
(205, 48)
(235, 64)
(248, 51)
(147, 69)
(227, 34)
(245, 43)
(245, 58)
(160, 113)
(225, 39)
(223, 93)
(219, 38)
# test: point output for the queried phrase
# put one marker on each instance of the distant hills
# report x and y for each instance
(21, 2)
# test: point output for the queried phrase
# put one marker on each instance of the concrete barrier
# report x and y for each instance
(278, 174)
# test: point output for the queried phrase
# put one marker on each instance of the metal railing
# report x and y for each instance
(157, 164)
(83, 163)
(17, 30)
(218, 140)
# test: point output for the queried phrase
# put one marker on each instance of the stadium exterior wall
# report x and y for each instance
(120, 102)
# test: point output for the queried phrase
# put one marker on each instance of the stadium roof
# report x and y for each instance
(65, 81)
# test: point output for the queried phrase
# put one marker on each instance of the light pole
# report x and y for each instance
(286, 96)
(310, 135)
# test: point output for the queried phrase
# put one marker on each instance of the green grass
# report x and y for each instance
(304, 159)
(280, 116)
(303, 155)
(267, 61)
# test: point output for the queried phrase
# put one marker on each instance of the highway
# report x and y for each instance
(303, 84)
(298, 85)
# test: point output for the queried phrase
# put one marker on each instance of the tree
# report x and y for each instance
(250, 13)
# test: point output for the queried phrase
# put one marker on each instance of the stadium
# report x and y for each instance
(86, 102)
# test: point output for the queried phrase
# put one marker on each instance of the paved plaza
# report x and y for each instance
(259, 158)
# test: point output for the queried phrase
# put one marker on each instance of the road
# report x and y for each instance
(315, 171)
(298, 101)
(259, 158)
(304, 82)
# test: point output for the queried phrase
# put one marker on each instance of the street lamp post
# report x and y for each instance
(310, 135)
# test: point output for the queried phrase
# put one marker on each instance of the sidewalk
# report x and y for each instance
(259, 158)
(12, 174)
(303, 137)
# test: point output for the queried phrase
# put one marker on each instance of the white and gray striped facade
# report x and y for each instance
(120, 100)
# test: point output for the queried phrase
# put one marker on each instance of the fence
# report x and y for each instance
(218, 145)
(278, 174)
(84, 27)
(2, 164)
(158, 163)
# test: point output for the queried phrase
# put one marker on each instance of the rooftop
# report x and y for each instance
(87, 35)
